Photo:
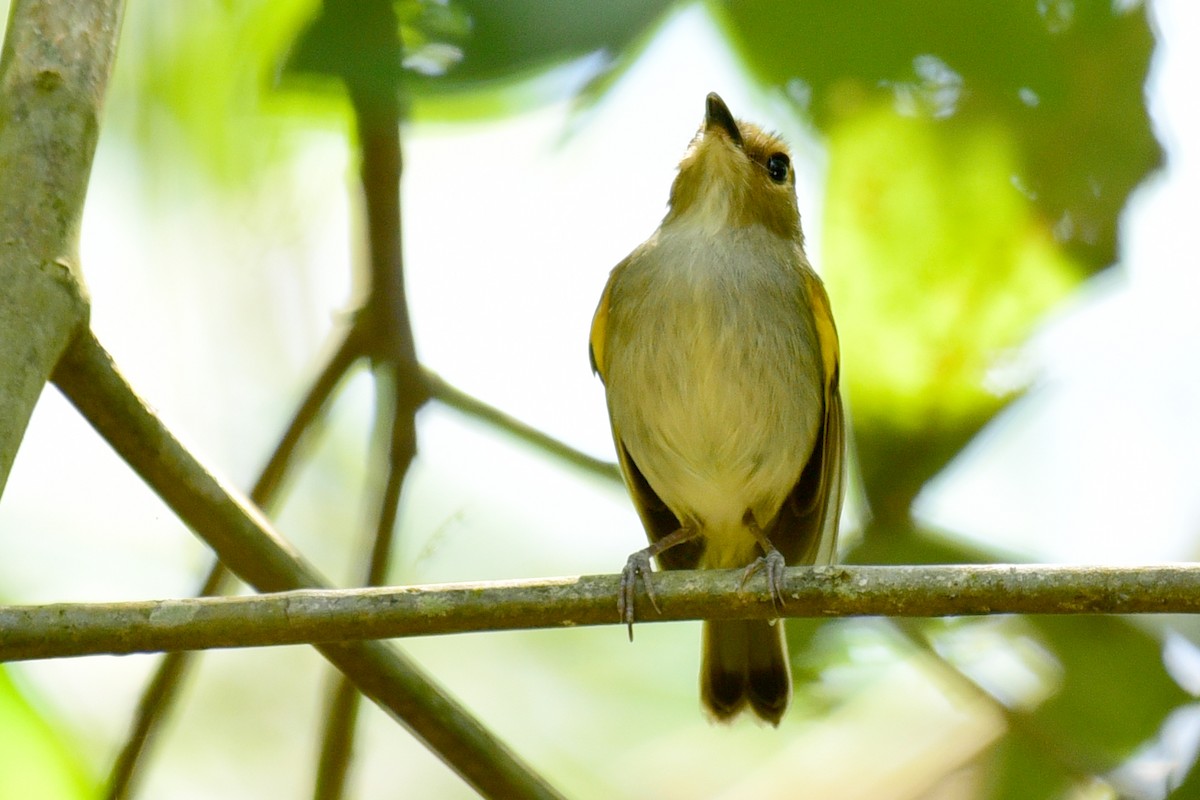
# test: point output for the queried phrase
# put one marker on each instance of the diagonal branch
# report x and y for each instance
(245, 542)
(56, 631)
(159, 695)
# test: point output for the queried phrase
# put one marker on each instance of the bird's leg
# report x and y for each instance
(638, 566)
(771, 562)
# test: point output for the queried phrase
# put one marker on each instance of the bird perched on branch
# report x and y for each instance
(717, 349)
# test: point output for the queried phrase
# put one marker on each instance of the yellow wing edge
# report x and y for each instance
(599, 333)
(826, 331)
(833, 479)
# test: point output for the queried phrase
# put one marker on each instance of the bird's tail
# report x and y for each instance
(745, 662)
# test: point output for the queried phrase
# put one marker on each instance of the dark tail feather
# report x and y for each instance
(745, 662)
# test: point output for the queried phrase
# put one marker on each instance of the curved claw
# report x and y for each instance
(773, 565)
(638, 566)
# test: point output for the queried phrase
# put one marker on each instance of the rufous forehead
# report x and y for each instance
(759, 144)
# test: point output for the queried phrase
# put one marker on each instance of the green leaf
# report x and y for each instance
(934, 261)
(190, 84)
(936, 266)
(35, 762)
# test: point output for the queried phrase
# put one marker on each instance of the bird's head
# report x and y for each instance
(735, 175)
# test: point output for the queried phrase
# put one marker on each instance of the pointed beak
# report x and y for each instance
(718, 118)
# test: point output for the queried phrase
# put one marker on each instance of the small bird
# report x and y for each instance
(717, 349)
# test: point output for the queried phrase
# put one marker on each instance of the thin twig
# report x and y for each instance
(375, 613)
(337, 745)
(157, 700)
(457, 399)
(384, 332)
(279, 465)
(396, 436)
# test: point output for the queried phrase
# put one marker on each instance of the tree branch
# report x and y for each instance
(161, 690)
(246, 543)
(156, 701)
(325, 616)
(54, 69)
(387, 340)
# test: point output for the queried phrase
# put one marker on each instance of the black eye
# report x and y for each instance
(777, 167)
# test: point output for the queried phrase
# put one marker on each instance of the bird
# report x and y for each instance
(716, 346)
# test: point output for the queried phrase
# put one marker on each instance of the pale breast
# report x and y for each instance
(714, 377)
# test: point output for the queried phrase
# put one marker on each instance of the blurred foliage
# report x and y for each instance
(357, 42)
(1113, 698)
(467, 60)
(34, 760)
(189, 86)
(518, 37)
(935, 265)
(1063, 80)
(1098, 654)
(1189, 787)
(1025, 768)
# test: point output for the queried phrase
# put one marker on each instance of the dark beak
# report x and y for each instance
(717, 117)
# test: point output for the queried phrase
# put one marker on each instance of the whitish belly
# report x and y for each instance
(720, 419)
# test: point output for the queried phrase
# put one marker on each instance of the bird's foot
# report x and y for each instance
(772, 565)
(636, 568)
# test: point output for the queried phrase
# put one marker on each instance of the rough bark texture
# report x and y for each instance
(343, 615)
